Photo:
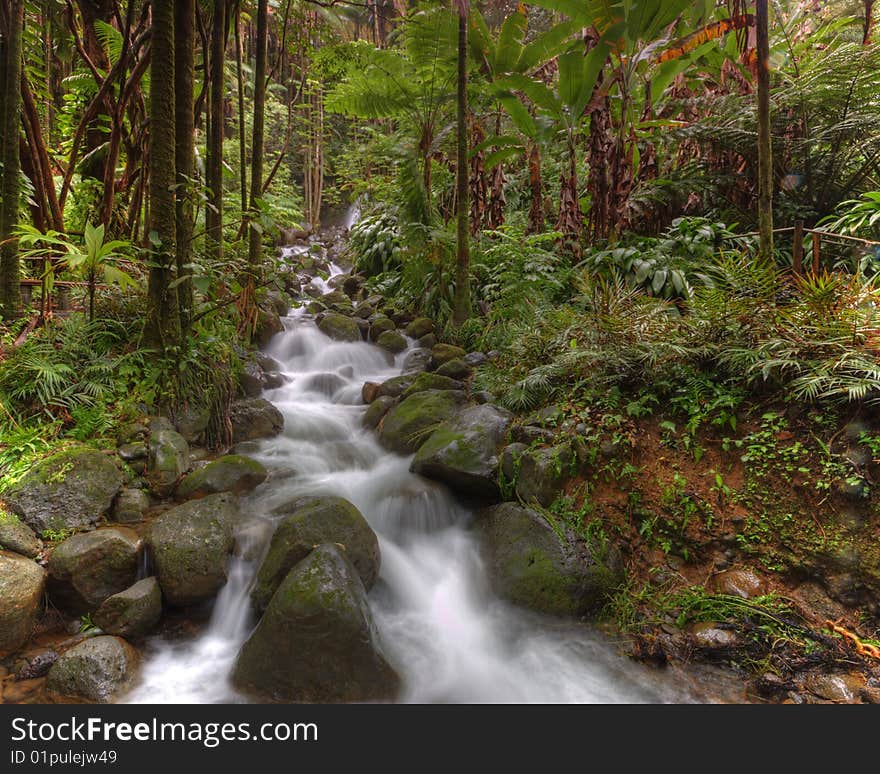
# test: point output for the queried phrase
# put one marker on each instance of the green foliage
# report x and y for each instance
(375, 244)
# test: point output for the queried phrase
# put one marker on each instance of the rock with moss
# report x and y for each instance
(419, 327)
(317, 641)
(22, 582)
(254, 418)
(511, 459)
(17, 536)
(311, 522)
(99, 670)
(89, 567)
(443, 353)
(543, 474)
(416, 360)
(337, 299)
(379, 325)
(391, 341)
(533, 566)
(130, 506)
(463, 452)
(191, 544)
(377, 411)
(231, 473)
(455, 369)
(339, 327)
(396, 385)
(427, 342)
(69, 490)
(268, 324)
(407, 426)
(428, 381)
(169, 460)
(132, 613)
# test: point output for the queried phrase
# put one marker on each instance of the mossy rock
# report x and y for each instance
(396, 385)
(190, 545)
(132, 613)
(377, 411)
(100, 670)
(417, 360)
(392, 341)
(254, 418)
(534, 567)
(17, 536)
(455, 369)
(419, 327)
(130, 506)
(231, 473)
(380, 325)
(463, 452)
(310, 523)
(428, 381)
(339, 327)
(22, 582)
(317, 641)
(543, 474)
(69, 490)
(443, 353)
(408, 425)
(169, 460)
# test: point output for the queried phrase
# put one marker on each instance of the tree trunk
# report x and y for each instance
(869, 22)
(242, 130)
(570, 221)
(462, 264)
(184, 78)
(162, 325)
(765, 150)
(10, 116)
(536, 185)
(214, 154)
(255, 243)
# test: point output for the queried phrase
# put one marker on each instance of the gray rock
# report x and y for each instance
(339, 327)
(484, 396)
(543, 474)
(407, 426)
(417, 360)
(254, 418)
(396, 386)
(268, 324)
(100, 670)
(251, 380)
(132, 613)
(130, 506)
(89, 567)
(17, 536)
(475, 359)
(317, 641)
(21, 595)
(510, 460)
(230, 473)
(69, 490)
(133, 451)
(169, 460)
(529, 434)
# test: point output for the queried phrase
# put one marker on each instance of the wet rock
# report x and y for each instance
(231, 473)
(35, 664)
(339, 328)
(380, 325)
(309, 523)
(871, 694)
(69, 490)
(133, 451)
(843, 689)
(99, 670)
(427, 342)
(543, 474)
(191, 544)
(278, 302)
(363, 327)
(417, 360)
(364, 311)
(529, 434)
(130, 506)
(370, 391)
(169, 460)
(743, 583)
(429, 381)
(475, 359)
(251, 380)
(396, 386)
(89, 567)
(338, 300)
(410, 422)
(274, 380)
(463, 452)
(443, 353)
(132, 613)
(455, 369)
(532, 566)
(419, 327)
(377, 411)
(268, 325)
(392, 341)
(709, 636)
(267, 362)
(21, 595)
(351, 285)
(254, 418)
(325, 384)
(484, 396)
(317, 641)
(193, 421)
(510, 460)
(17, 536)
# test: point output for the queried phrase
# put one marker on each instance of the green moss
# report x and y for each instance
(427, 381)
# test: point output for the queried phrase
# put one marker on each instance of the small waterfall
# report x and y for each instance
(445, 632)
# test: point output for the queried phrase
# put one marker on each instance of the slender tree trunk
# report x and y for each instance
(765, 150)
(214, 160)
(255, 244)
(38, 150)
(242, 129)
(10, 117)
(869, 22)
(184, 78)
(162, 325)
(536, 186)
(463, 258)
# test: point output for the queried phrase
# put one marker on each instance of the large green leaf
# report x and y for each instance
(493, 159)
(518, 113)
(547, 45)
(536, 91)
(510, 40)
(578, 75)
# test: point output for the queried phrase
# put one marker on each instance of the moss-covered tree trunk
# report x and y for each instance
(10, 119)
(184, 75)
(462, 305)
(765, 150)
(162, 325)
(255, 244)
(214, 154)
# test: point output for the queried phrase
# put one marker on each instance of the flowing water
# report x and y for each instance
(448, 636)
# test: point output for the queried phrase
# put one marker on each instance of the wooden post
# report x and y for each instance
(798, 256)
(817, 240)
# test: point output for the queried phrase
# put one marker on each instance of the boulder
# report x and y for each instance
(21, 595)
(169, 460)
(410, 422)
(190, 545)
(427, 341)
(310, 523)
(392, 341)
(463, 452)
(339, 327)
(530, 434)
(133, 451)
(543, 474)
(17, 536)
(100, 670)
(428, 381)
(338, 300)
(842, 689)
(352, 284)
(69, 490)
(327, 384)
(130, 506)
(443, 353)
(230, 473)
(380, 325)
(532, 566)
(510, 461)
(709, 636)
(377, 411)
(419, 327)
(743, 583)
(132, 613)
(89, 567)
(254, 418)
(370, 391)
(475, 359)
(364, 311)
(455, 369)
(417, 360)
(268, 324)
(317, 641)
(251, 380)
(396, 386)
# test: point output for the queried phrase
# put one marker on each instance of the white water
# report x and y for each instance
(447, 635)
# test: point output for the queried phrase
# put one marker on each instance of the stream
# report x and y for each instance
(448, 636)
